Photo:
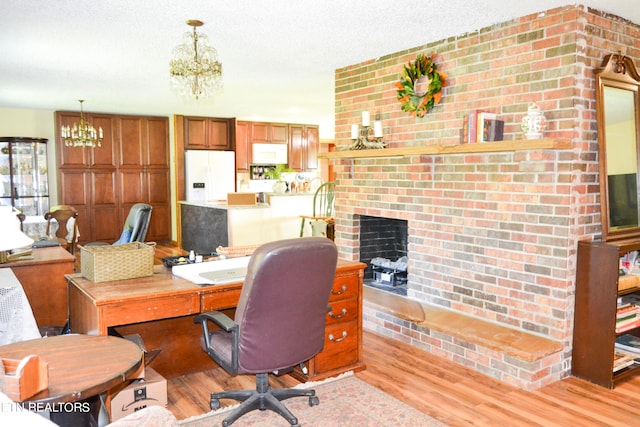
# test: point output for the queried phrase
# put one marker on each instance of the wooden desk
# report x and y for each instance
(161, 309)
(42, 277)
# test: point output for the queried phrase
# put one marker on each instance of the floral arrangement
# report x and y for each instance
(412, 102)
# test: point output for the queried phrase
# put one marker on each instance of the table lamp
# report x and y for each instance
(11, 236)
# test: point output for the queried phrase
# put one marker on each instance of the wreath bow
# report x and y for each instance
(419, 105)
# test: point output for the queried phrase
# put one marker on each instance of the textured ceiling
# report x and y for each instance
(278, 56)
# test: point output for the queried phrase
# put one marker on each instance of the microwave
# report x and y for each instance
(269, 154)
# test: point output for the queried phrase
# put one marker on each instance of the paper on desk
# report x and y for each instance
(191, 272)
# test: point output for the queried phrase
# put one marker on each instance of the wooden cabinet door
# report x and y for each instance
(133, 188)
(106, 224)
(195, 133)
(260, 133)
(157, 183)
(104, 156)
(312, 146)
(130, 140)
(157, 142)
(69, 156)
(243, 147)
(218, 135)
(279, 133)
(296, 147)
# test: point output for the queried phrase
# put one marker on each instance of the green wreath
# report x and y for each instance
(419, 105)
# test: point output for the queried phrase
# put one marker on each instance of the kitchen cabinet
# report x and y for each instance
(143, 170)
(208, 133)
(304, 143)
(269, 133)
(243, 146)
(102, 183)
(23, 174)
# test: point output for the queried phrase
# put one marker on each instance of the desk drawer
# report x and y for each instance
(342, 311)
(344, 287)
(340, 347)
(151, 309)
(219, 300)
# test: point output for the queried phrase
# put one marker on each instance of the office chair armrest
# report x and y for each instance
(228, 325)
(219, 318)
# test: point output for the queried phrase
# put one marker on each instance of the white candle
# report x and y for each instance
(366, 121)
(377, 129)
(354, 131)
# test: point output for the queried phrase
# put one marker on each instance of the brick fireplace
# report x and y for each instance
(489, 235)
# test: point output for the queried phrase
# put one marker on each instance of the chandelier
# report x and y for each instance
(81, 135)
(195, 69)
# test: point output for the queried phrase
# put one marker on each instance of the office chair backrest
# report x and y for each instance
(138, 222)
(283, 304)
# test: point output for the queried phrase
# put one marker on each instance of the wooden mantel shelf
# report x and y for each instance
(486, 147)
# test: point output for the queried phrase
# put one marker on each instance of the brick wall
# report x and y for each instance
(491, 235)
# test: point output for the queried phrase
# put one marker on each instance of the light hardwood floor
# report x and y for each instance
(443, 390)
(448, 392)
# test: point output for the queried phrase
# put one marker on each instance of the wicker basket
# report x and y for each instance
(119, 262)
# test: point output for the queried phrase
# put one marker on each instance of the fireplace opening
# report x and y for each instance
(383, 247)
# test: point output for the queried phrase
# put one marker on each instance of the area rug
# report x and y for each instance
(344, 401)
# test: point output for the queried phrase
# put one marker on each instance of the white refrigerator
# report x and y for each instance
(210, 175)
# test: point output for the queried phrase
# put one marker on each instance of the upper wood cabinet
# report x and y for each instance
(143, 141)
(104, 156)
(304, 143)
(269, 133)
(208, 133)
(132, 166)
(243, 146)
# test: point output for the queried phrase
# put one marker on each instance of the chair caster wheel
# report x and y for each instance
(214, 404)
(314, 401)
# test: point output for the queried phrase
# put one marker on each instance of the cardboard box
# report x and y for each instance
(246, 199)
(151, 391)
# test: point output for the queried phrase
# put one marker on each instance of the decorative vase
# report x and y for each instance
(533, 124)
(280, 187)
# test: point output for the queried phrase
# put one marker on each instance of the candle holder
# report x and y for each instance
(365, 138)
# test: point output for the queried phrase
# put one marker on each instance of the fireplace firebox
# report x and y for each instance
(383, 247)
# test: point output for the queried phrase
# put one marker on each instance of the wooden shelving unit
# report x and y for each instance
(595, 313)
(486, 147)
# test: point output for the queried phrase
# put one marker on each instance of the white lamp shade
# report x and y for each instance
(10, 235)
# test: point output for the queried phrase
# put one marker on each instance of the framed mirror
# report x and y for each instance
(618, 116)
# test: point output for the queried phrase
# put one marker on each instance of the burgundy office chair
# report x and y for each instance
(279, 322)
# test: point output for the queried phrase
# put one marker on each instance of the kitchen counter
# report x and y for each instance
(207, 225)
(225, 206)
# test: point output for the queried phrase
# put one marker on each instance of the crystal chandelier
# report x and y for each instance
(195, 69)
(81, 135)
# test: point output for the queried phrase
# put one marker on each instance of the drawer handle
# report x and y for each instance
(344, 289)
(334, 339)
(338, 316)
